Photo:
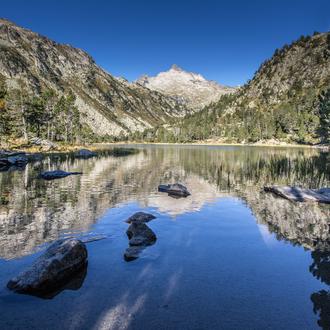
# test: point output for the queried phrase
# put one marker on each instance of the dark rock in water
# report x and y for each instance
(297, 194)
(19, 160)
(85, 153)
(62, 260)
(140, 217)
(51, 175)
(73, 283)
(133, 252)
(175, 189)
(140, 234)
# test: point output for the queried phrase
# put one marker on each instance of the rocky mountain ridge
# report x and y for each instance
(189, 88)
(109, 106)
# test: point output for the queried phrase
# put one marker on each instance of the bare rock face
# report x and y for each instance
(297, 194)
(52, 175)
(189, 88)
(109, 106)
(56, 266)
(44, 145)
(140, 217)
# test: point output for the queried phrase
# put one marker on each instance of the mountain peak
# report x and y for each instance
(175, 67)
(192, 89)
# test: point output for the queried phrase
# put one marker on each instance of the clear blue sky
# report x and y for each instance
(223, 40)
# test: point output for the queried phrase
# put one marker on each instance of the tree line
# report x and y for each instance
(302, 120)
(48, 116)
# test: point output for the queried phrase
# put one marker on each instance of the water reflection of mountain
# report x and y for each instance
(34, 211)
(303, 224)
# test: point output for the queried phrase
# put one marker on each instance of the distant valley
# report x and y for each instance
(57, 92)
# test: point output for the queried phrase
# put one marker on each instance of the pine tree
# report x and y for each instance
(324, 111)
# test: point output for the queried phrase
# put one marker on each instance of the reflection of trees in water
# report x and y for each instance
(34, 211)
(237, 168)
(321, 301)
(320, 268)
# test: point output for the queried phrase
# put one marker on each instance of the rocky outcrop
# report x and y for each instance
(298, 194)
(175, 189)
(56, 266)
(189, 88)
(44, 145)
(52, 175)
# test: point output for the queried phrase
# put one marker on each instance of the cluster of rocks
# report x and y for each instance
(16, 160)
(298, 194)
(139, 234)
(64, 263)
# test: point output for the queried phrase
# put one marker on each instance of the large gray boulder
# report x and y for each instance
(140, 217)
(298, 194)
(58, 174)
(62, 260)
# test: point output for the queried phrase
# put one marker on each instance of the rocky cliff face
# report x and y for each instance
(109, 105)
(188, 88)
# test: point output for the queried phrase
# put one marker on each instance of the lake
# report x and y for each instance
(229, 256)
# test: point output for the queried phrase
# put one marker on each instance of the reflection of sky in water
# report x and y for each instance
(234, 257)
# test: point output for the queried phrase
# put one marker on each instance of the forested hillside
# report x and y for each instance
(56, 91)
(287, 100)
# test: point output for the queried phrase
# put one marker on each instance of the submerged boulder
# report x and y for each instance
(58, 264)
(140, 234)
(176, 189)
(298, 194)
(133, 252)
(52, 175)
(85, 153)
(140, 217)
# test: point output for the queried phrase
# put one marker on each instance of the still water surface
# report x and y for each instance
(227, 257)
